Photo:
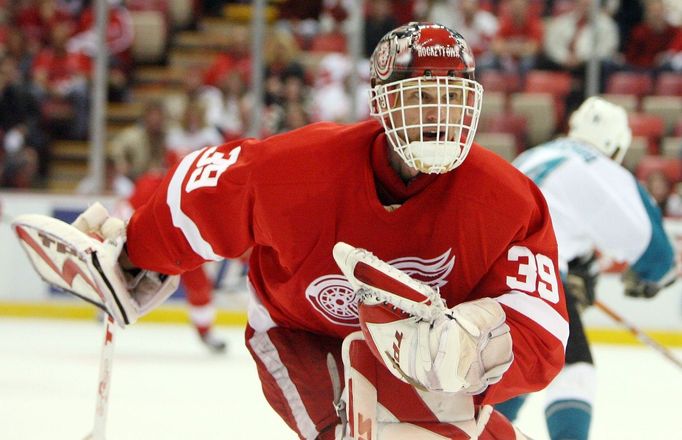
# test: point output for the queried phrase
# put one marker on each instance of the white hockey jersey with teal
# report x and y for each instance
(596, 203)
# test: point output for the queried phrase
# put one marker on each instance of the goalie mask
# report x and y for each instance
(603, 125)
(424, 94)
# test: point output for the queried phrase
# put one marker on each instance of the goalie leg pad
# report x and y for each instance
(381, 407)
(492, 425)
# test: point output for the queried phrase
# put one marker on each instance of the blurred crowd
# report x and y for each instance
(47, 48)
(46, 53)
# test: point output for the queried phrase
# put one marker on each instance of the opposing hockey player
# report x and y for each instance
(596, 205)
(438, 251)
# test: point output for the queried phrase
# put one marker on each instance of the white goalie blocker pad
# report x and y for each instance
(407, 327)
(86, 265)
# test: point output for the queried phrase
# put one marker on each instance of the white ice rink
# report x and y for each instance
(165, 385)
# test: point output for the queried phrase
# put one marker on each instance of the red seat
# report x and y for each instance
(496, 81)
(648, 126)
(558, 84)
(672, 167)
(330, 42)
(535, 8)
(630, 83)
(542, 81)
(510, 123)
(669, 84)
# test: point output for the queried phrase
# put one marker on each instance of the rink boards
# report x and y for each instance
(22, 293)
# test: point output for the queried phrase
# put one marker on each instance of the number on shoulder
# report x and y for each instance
(210, 166)
(531, 267)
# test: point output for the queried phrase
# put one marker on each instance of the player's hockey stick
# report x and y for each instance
(646, 339)
(106, 361)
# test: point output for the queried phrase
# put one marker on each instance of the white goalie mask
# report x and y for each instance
(603, 125)
(424, 94)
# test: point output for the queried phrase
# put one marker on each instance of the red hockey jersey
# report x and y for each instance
(481, 230)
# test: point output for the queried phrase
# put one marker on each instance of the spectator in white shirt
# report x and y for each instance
(193, 132)
(476, 25)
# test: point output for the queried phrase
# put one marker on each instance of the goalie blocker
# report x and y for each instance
(83, 259)
(409, 329)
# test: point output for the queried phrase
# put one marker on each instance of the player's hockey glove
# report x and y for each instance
(581, 280)
(410, 331)
(84, 258)
(638, 288)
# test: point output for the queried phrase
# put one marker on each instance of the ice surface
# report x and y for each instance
(166, 385)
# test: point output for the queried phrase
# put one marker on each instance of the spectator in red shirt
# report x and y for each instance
(16, 47)
(119, 40)
(63, 76)
(519, 39)
(379, 20)
(300, 9)
(674, 56)
(404, 11)
(38, 18)
(237, 58)
(651, 40)
(676, 44)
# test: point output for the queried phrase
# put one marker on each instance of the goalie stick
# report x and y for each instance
(104, 383)
(643, 337)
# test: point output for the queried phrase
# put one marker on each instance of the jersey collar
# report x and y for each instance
(390, 187)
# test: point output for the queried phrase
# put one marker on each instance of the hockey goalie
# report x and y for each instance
(403, 279)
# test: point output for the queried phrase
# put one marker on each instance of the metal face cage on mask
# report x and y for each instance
(430, 122)
(424, 95)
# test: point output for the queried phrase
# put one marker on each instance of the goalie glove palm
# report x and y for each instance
(408, 328)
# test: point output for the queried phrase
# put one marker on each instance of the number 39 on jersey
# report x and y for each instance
(210, 166)
(536, 272)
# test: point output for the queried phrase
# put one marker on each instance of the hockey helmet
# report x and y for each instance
(424, 93)
(603, 125)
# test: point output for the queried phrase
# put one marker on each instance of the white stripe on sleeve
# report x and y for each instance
(180, 219)
(539, 311)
